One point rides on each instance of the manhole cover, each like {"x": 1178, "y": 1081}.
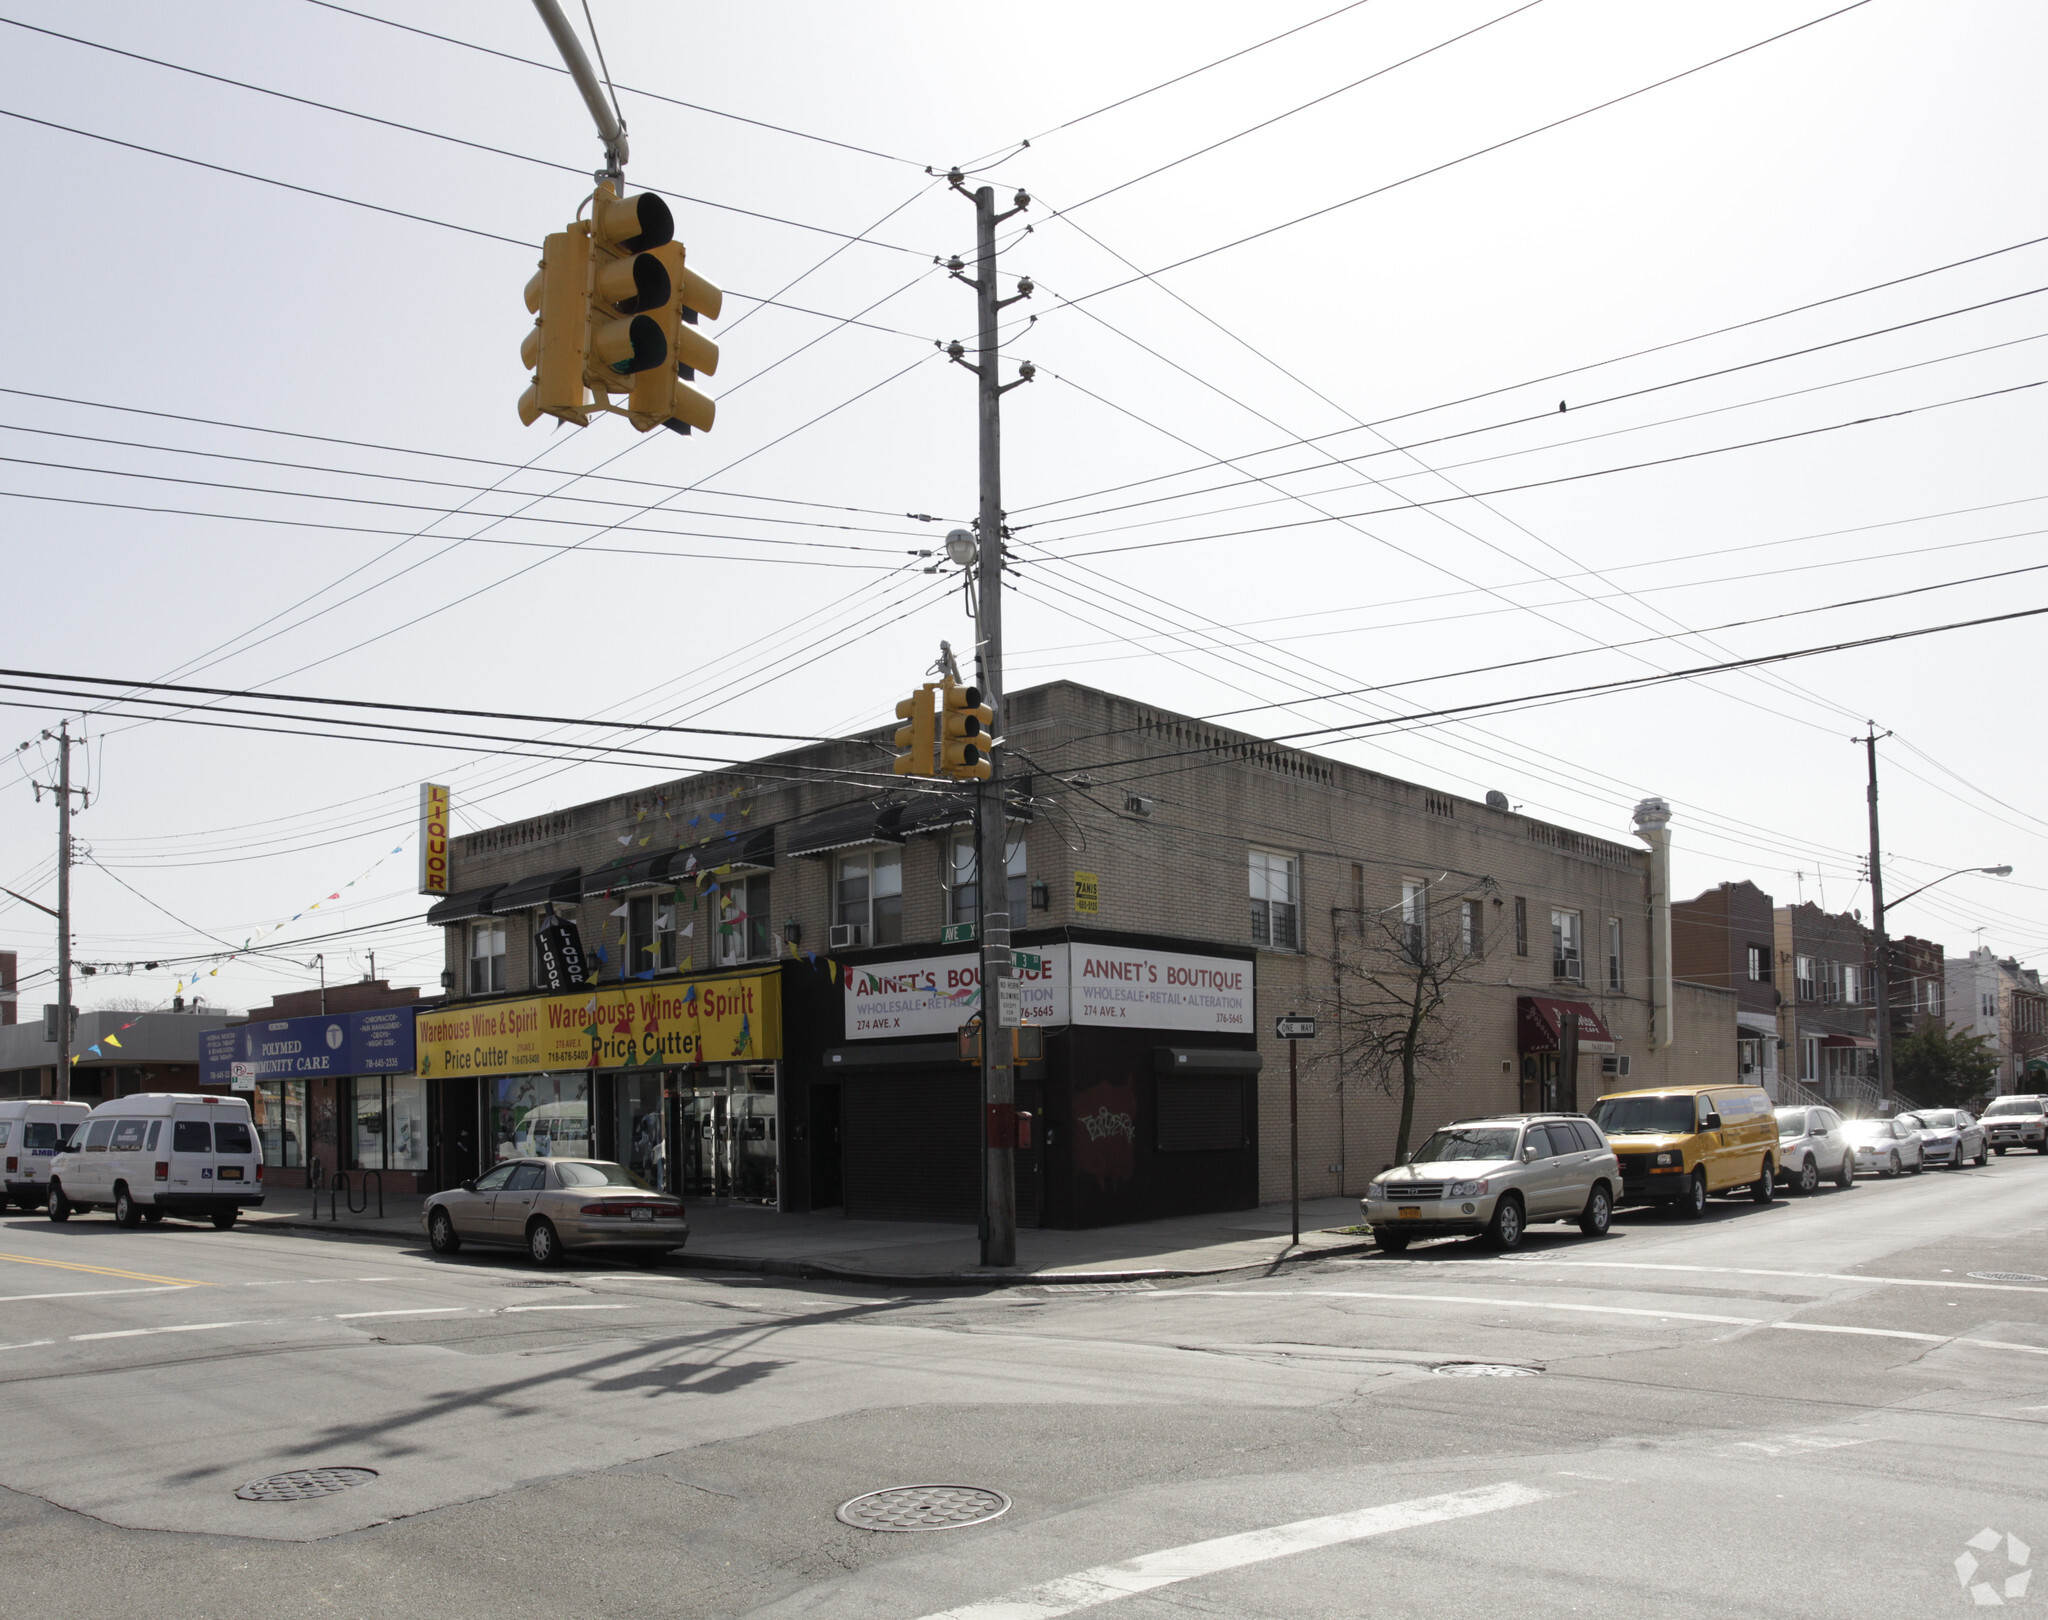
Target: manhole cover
{"x": 303, "y": 1484}
{"x": 1482, "y": 1369}
{"x": 923, "y": 1507}
{"x": 2007, "y": 1276}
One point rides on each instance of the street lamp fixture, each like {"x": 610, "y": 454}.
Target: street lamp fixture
{"x": 1988, "y": 871}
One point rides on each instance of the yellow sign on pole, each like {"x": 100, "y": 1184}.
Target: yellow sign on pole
{"x": 433, "y": 838}
{"x": 1087, "y": 894}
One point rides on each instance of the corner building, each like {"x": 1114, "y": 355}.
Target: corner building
{"x": 1179, "y": 885}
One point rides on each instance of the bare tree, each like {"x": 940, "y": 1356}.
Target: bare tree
{"x": 1388, "y": 1002}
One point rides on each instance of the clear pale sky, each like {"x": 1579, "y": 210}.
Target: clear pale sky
{"x": 1894, "y": 138}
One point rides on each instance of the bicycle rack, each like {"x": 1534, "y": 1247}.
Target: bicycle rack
{"x": 343, "y": 1187}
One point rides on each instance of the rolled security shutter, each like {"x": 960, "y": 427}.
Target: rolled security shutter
{"x": 1201, "y": 1113}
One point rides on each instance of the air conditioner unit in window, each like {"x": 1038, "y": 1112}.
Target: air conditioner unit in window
{"x": 1615, "y": 1066}
{"x": 847, "y": 936}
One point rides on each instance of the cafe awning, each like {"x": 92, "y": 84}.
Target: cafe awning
{"x": 848, "y": 827}
{"x": 463, "y": 907}
{"x": 1859, "y": 1043}
{"x": 543, "y": 889}
{"x": 1539, "y": 1025}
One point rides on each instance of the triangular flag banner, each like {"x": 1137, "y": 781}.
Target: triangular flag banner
{"x": 626, "y": 839}
{"x": 111, "y": 1040}
{"x": 621, "y": 910}
{"x": 688, "y": 930}
{"x": 833, "y": 968}
{"x": 96, "y": 1052}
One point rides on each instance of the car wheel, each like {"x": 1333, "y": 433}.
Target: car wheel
{"x": 1764, "y": 1190}
{"x": 2042, "y": 1145}
{"x": 1920, "y": 1164}
{"x": 1807, "y": 1182}
{"x": 1999, "y": 1151}
{"x": 125, "y": 1212}
{"x": 59, "y": 1205}
{"x": 1845, "y": 1172}
{"x": 1983, "y": 1157}
{"x": 1504, "y": 1231}
{"x": 1892, "y": 1167}
{"x": 442, "y": 1237}
{"x": 223, "y": 1219}
{"x": 1692, "y": 1203}
{"x": 543, "y": 1242}
{"x": 1390, "y": 1242}
{"x": 154, "y": 1217}
{"x": 1955, "y": 1159}
{"x": 1598, "y": 1214}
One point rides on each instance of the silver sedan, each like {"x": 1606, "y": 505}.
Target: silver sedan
{"x": 1949, "y": 1136}
{"x": 549, "y": 1206}
{"x": 1884, "y": 1147}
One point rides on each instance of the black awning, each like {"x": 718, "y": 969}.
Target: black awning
{"x": 935, "y": 812}
{"x": 543, "y": 889}
{"x": 464, "y": 906}
{"x": 753, "y": 850}
{"x": 630, "y": 872}
{"x": 847, "y": 828}
{"x": 1206, "y": 1060}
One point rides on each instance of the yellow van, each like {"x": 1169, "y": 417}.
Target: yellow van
{"x": 1677, "y": 1144}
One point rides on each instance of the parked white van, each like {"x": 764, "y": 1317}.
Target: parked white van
{"x": 33, "y": 1131}
{"x": 161, "y": 1153}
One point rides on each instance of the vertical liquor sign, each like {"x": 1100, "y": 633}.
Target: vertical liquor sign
{"x": 433, "y": 838}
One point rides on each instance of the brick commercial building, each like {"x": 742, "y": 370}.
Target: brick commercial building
{"x": 1826, "y": 1019}
{"x": 1726, "y": 937}
{"x": 783, "y": 959}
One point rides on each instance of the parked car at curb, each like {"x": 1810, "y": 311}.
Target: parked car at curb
{"x": 2017, "y": 1122}
{"x": 158, "y": 1153}
{"x": 1949, "y": 1136}
{"x": 33, "y": 1131}
{"x": 1886, "y": 1147}
{"x": 1812, "y": 1144}
{"x": 549, "y": 1206}
{"x": 1492, "y": 1178}
{"x": 1678, "y": 1144}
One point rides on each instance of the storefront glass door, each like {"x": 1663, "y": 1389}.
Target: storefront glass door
{"x": 642, "y": 1144}
{"x": 730, "y": 1135}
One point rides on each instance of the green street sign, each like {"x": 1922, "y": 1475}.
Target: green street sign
{"x": 956, "y": 934}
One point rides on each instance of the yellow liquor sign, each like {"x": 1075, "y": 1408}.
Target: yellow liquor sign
{"x": 710, "y": 1020}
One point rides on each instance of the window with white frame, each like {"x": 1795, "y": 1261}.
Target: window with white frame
{"x": 486, "y": 957}
{"x": 1803, "y": 975}
{"x": 1414, "y": 917}
{"x": 1831, "y": 983}
{"x": 963, "y": 870}
{"x": 741, "y": 931}
{"x": 1852, "y": 984}
{"x": 1809, "y": 1058}
{"x": 1567, "y": 946}
{"x": 1759, "y": 964}
{"x": 1521, "y": 925}
{"x": 643, "y": 949}
{"x": 1276, "y": 901}
{"x": 867, "y": 895}
{"x": 1614, "y": 953}
{"x": 1472, "y": 927}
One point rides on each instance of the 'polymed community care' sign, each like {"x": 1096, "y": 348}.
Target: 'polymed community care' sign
{"x": 681, "y": 1021}
{"x": 1073, "y": 983}
{"x": 300, "y": 1048}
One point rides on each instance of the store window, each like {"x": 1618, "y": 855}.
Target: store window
{"x": 387, "y": 1123}
{"x": 1276, "y": 903}
{"x": 1567, "y": 950}
{"x": 280, "y": 1110}
{"x": 743, "y": 914}
{"x": 963, "y": 887}
{"x": 539, "y": 1116}
{"x": 486, "y": 957}
{"x": 867, "y": 896}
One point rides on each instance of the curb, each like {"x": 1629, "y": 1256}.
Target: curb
{"x": 819, "y": 1271}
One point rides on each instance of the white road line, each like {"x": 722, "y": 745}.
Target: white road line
{"x": 509, "y": 1309}
{"x": 182, "y": 1327}
{"x": 1722, "y": 1271}
{"x": 96, "y": 1293}
{"x": 1147, "y": 1573}
{"x": 1922, "y": 1338}
{"x": 423, "y": 1310}
{"x": 28, "y": 1344}
{"x": 1458, "y": 1299}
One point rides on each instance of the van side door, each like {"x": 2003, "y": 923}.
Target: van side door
{"x": 88, "y": 1181}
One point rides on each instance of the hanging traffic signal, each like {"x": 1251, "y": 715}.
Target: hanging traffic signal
{"x": 629, "y": 286}
{"x": 964, "y": 739}
{"x": 558, "y": 297}
{"x": 918, "y": 739}
{"x": 661, "y": 395}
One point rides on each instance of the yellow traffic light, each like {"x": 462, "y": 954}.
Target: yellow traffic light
{"x": 629, "y": 286}
{"x": 661, "y": 397}
{"x": 558, "y": 298}
{"x": 917, "y": 740}
{"x": 964, "y": 739}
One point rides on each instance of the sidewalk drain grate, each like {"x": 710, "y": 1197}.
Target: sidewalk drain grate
{"x": 1482, "y": 1369}
{"x": 1097, "y": 1288}
{"x": 302, "y": 1485}
{"x": 2008, "y": 1276}
{"x": 923, "y": 1507}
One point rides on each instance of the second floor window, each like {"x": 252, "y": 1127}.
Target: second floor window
{"x": 1759, "y": 964}
{"x": 1414, "y": 916}
{"x": 1987, "y": 1003}
{"x": 1852, "y": 984}
{"x": 486, "y": 958}
{"x": 1567, "y": 952}
{"x": 1276, "y": 906}
{"x": 1471, "y": 927}
{"x": 963, "y": 884}
{"x": 867, "y": 895}
{"x": 1614, "y": 953}
{"x": 1803, "y": 974}
{"x": 1521, "y": 926}
{"x": 741, "y": 934}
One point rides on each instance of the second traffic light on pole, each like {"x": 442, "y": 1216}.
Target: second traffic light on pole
{"x": 953, "y": 742}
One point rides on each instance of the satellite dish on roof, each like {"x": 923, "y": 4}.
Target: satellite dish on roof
{"x": 1495, "y": 799}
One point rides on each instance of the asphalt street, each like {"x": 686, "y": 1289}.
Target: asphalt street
{"x": 1816, "y": 1408}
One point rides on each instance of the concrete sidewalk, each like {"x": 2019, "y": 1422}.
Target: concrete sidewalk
{"x": 747, "y": 1238}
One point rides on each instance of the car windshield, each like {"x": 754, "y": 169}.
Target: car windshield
{"x": 577, "y": 1173}
{"x": 1939, "y": 1119}
{"x": 1462, "y": 1142}
{"x": 1791, "y": 1121}
{"x": 2014, "y": 1105}
{"x": 1868, "y": 1130}
{"x": 1644, "y": 1116}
